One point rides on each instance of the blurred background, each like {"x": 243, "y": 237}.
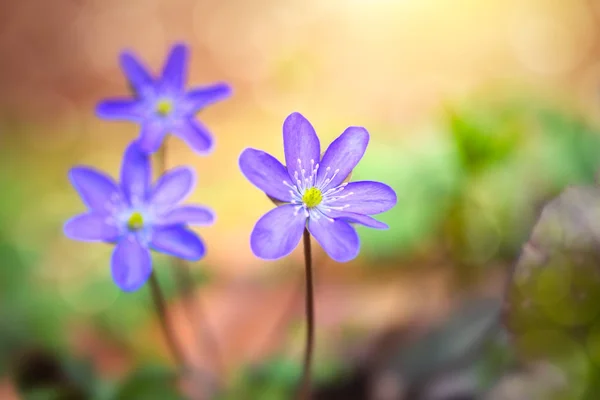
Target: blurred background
{"x": 480, "y": 113}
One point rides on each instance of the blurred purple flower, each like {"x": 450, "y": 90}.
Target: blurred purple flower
{"x": 138, "y": 216}
{"x": 162, "y": 106}
{"x": 315, "y": 192}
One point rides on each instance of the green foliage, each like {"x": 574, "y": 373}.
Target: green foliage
{"x": 278, "y": 378}
{"x": 43, "y": 394}
{"x": 569, "y": 148}
{"x": 553, "y": 308}
{"x": 477, "y": 178}
{"x": 27, "y": 315}
{"x": 425, "y": 177}
{"x": 149, "y": 382}
{"x": 485, "y": 136}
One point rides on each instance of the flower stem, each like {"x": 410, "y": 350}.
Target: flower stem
{"x": 305, "y": 388}
{"x": 159, "y": 304}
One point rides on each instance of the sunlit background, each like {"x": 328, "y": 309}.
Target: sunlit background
{"x": 479, "y": 113}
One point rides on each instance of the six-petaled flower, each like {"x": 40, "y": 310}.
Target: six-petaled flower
{"x": 137, "y": 216}
{"x": 314, "y": 192}
{"x": 163, "y": 106}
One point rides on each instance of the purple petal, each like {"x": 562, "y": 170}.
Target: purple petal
{"x": 97, "y": 190}
{"x": 196, "y": 135}
{"x": 342, "y": 155}
{"x": 91, "y": 227}
{"x": 365, "y": 197}
{"x": 174, "y": 71}
{"x": 137, "y": 76}
{"x": 266, "y": 173}
{"x": 188, "y": 215}
{"x": 131, "y": 264}
{"x": 179, "y": 242}
{"x": 357, "y": 219}
{"x": 337, "y": 238}
{"x": 135, "y": 174}
{"x": 119, "y": 109}
{"x": 278, "y": 232}
{"x": 300, "y": 142}
{"x": 201, "y": 97}
{"x": 151, "y": 137}
{"x": 172, "y": 187}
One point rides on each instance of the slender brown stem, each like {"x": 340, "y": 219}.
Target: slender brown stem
{"x": 305, "y": 388}
{"x": 160, "y": 305}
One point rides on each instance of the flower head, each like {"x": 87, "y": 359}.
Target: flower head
{"x": 163, "y": 105}
{"x": 314, "y": 192}
{"x": 137, "y": 216}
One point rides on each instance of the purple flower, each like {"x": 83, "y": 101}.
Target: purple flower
{"x": 162, "y": 105}
{"x": 315, "y": 193}
{"x": 137, "y": 216}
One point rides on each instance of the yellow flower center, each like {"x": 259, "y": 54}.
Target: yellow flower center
{"x": 135, "y": 222}
{"x": 164, "y": 107}
{"x": 312, "y": 197}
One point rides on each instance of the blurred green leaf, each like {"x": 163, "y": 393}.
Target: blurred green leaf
{"x": 43, "y": 394}
{"x": 569, "y": 147}
{"x": 278, "y": 378}
{"x": 149, "y": 382}
{"x": 483, "y": 136}
{"x": 425, "y": 177}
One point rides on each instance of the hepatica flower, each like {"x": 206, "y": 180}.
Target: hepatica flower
{"x": 137, "y": 216}
{"x": 163, "y": 105}
{"x": 314, "y": 192}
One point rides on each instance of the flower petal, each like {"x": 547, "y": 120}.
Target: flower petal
{"x": 91, "y": 227}
{"x": 338, "y": 239}
{"x": 196, "y": 135}
{"x": 300, "y": 142}
{"x": 119, "y": 109}
{"x": 189, "y": 215}
{"x": 355, "y": 218}
{"x": 179, "y": 242}
{"x": 137, "y": 76}
{"x": 342, "y": 155}
{"x": 98, "y": 191}
{"x": 201, "y": 97}
{"x": 278, "y": 232}
{"x": 131, "y": 264}
{"x": 136, "y": 173}
{"x": 172, "y": 187}
{"x": 266, "y": 173}
{"x": 365, "y": 197}
{"x": 151, "y": 136}
{"x": 174, "y": 72}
